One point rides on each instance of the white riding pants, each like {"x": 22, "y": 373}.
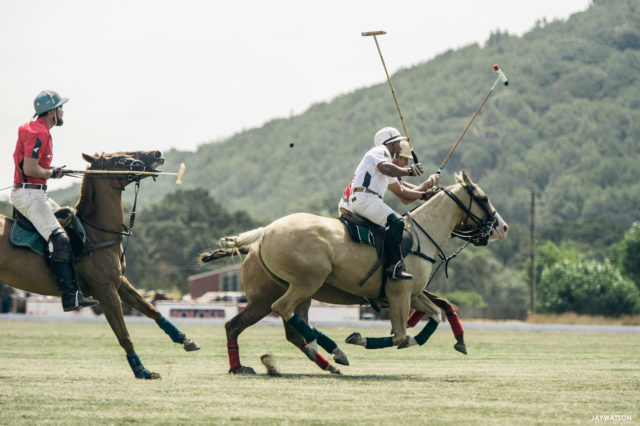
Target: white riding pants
{"x": 371, "y": 207}
{"x": 36, "y": 206}
{"x": 343, "y": 204}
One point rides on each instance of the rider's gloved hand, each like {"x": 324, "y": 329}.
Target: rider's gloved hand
{"x": 57, "y": 172}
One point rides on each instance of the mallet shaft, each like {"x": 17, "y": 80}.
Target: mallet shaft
{"x": 453, "y": 148}
{"x": 118, "y": 172}
{"x": 501, "y": 77}
{"x": 393, "y": 92}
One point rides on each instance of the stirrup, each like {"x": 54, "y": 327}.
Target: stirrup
{"x": 397, "y": 272}
{"x": 79, "y": 302}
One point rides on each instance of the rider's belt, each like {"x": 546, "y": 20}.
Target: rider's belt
{"x": 30, "y": 186}
{"x": 367, "y": 190}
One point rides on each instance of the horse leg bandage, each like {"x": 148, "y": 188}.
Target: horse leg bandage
{"x": 426, "y": 332}
{"x": 378, "y": 342}
{"x": 136, "y": 365}
{"x": 233, "y": 351}
{"x": 328, "y": 344}
{"x": 176, "y": 335}
{"x": 415, "y": 318}
{"x": 303, "y": 328}
{"x": 454, "y": 322}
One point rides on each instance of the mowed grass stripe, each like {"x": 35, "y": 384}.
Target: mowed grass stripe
{"x": 65, "y": 373}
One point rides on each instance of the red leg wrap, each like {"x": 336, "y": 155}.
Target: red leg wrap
{"x": 454, "y": 321}
{"x": 415, "y": 318}
{"x": 233, "y": 352}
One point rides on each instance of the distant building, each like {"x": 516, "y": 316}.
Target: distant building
{"x": 225, "y": 279}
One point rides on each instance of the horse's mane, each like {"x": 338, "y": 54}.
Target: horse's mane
{"x": 86, "y": 194}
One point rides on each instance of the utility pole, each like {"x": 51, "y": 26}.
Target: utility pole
{"x": 532, "y": 270}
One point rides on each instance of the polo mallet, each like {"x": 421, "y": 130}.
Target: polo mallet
{"x": 501, "y": 77}
{"x": 179, "y": 174}
{"x": 374, "y": 34}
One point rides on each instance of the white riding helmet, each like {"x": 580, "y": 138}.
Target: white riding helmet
{"x": 405, "y": 150}
{"x": 387, "y": 135}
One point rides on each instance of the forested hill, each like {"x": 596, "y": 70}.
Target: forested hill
{"x": 567, "y": 126}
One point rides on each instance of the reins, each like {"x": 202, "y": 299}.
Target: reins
{"x": 128, "y": 230}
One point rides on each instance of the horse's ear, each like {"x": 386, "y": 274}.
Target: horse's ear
{"x": 458, "y": 177}
{"x": 466, "y": 178}
{"x": 90, "y": 158}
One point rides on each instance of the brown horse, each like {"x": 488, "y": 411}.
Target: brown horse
{"x": 100, "y": 274}
{"x": 314, "y": 257}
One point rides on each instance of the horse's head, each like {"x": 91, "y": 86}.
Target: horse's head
{"x": 481, "y": 222}
{"x": 132, "y": 161}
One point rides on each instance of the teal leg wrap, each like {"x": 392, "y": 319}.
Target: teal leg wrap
{"x": 379, "y": 342}
{"x": 427, "y": 331}
{"x": 138, "y": 369}
{"x": 307, "y": 332}
{"x": 328, "y": 344}
{"x": 176, "y": 335}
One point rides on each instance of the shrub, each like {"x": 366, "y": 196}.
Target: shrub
{"x": 587, "y": 287}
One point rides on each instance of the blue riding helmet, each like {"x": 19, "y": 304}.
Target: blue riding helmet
{"x": 48, "y": 100}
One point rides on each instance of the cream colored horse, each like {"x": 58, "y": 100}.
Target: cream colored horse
{"x": 316, "y": 258}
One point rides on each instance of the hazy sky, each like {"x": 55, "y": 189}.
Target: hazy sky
{"x": 143, "y": 74}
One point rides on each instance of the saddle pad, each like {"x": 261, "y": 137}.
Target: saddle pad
{"x": 361, "y": 234}
{"x": 374, "y": 235}
{"x": 21, "y": 237}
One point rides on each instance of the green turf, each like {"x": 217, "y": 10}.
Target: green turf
{"x": 67, "y": 373}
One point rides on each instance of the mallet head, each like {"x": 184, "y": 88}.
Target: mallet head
{"x": 372, "y": 33}
{"x": 181, "y": 171}
{"x": 503, "y": 78}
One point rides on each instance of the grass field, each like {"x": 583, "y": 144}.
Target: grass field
{"x": 66, "y": 373}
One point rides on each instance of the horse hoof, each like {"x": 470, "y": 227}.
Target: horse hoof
{"x": 270, "y": 364}
{"x": 243, "y": 370}
{"x": 354, "y": 339}
{"x": 408, "y": 342}
{"x": 189, "y": 345}
{"x": 151, "y": 376}
{"x": 334, "y": 370}
{"x": 340, "y": 357}
{"x": 460, "y": 347}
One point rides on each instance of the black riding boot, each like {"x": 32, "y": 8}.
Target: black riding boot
{"x": 396, "y": 226}
{"x": 72, "y": 298}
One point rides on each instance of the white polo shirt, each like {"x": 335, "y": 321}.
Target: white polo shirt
{"x": 367, "y": 173}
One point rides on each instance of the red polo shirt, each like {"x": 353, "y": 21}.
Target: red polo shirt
{"x": 34, "y": 140}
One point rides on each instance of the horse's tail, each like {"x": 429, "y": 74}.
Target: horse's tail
{"x": 242, "y": 240}
{"x": 234, "y": 244}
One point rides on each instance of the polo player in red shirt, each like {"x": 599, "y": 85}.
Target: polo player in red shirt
{"x": 32, "y": 158}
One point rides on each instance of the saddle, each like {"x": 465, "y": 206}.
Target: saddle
{"x": 24, "y": 234}
{"x": 364, "y": 231}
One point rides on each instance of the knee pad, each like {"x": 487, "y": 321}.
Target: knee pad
{"x": 59, "y": 246}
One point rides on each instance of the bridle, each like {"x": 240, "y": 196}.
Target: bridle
{"x": 130, "y": 164}
{"x": 479, "y": 234}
